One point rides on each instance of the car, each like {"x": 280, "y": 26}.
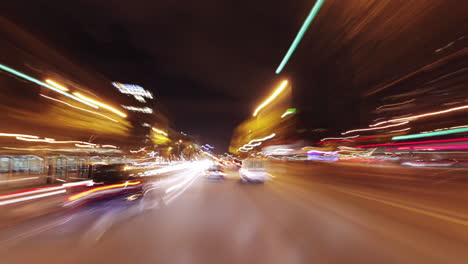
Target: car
{"x": 215, "y": 172}
{"x": 110, "y": 181}
{"x": 253, "y": 171}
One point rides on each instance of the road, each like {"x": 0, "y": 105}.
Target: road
{"x": 307, "y": 213}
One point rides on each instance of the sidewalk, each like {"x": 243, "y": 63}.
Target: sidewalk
{"x": 21, "y": 204}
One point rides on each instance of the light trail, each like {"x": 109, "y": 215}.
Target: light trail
{"x": 56, "y": 85}
{"x": 251, "y": 144}
{"x": 400, "y": 130}
{"x": 313, "y": 13}
{"x": 290, "y": 111}
{"x": 413, "y": 143}
{"x": 409, "y": 101}
{"x": 82, "y": 109}
{"x": 432, "y": 134}
{"x": 338, "y": 138}
{"x": 374, "y": 128}
{"x": 346, "y": 140}
{"x": 105, "y": 106}
{"x": 159, "y": 131}
{"x": 36, "y": 81}
{"x": 411, "y": 118}
{"x": 17, "y": 135}
{"x": 27, "y": 198}
{"x": 102, "y": 188}
{"x": 271, "y": 97}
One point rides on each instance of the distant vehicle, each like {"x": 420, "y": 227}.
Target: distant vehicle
{"x": 215, "y": 172}
{"x": 253, "y": 170}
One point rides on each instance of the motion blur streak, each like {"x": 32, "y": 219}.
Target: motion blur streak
{"x": 82, "y": 109}
{"x": 272, "y": 97}
{"x": 402, "y": 103}
{"x": 31, "y": 191}
{"x": 313, "y": 13}
{"x": 17, "y": 135}
{"x": 338, "y": 138}
{"x": 46, "y": 189}
{"x": 432, "y": 147}
{"x": 97, "y": 189}
{"x": 432, "y": 134}
{"x": 413, "y": 143}
{"x": 262, "y": 139}
{"x": 56, "y": 85}
{"x": 346, "y": 140}
{"x": 105, "y": 106}
{"x": 422, "y": 115}
{"x": 173, "y": 168}
{"x": 159, "y": 131}
{"x": 31, "y": 197}
{"x": 251, "y": 144}
{"x": 31, "y": 79}
{"x": 374, "y": 128}
{"x": 53, "y": 141}
{"x": 399, "y": 130}
{"x": 109, "y": 146}
{"x": 22, "y": 179}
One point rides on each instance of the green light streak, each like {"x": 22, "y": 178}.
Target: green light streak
{"x": 313, "y": 13}
{"x": 290, "y": 111}
{"x": 31, "y": 79}
{"x": 432, "y": 134}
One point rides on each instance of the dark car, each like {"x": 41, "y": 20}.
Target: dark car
{"x": 110, "y": 181}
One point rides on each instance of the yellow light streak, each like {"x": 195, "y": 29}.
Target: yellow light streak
{"x": 272, "y": 97}
{"x": 108, "y": 107}
{"x": 86, "y": 110}
{"x": 56, "y": 85}
{"x": 53, "y": 141}
{"x": 159, "y": 131}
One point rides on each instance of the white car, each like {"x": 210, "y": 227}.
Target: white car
{"x": 215, "y": 172}
{"x": 253, "y": 170}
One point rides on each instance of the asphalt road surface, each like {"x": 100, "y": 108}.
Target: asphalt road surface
{"x": 307, "y": 213}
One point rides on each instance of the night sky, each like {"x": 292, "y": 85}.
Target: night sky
{"x": 210, "y": 62}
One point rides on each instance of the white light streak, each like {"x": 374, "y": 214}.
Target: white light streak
{"x": 374, "y": 128}
{"x": 31, "y": 197}
{"x": 145, "y": 110}
{"x": 22, "y": 179}
{"x": 411, "y": 118}
{"x": 338, "y": 138}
